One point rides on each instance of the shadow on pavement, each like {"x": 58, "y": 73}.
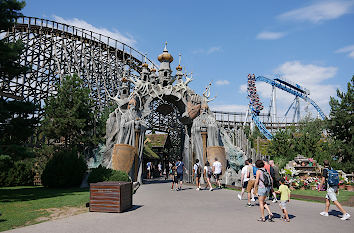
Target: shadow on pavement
{"x": 335, "y": 213}
{"x": 156, "y": 181}
{"x": 134, "y": 207}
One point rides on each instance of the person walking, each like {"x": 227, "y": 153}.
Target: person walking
{"x": 217, "y": 166}
{"x": 250, "y": 186}
{"x": 208, "y": 171}
{"x": 329, "y": 182}
{"x": 159, "y": 167}
{"x": 197, "y": 173}
{"x": 148, "y": 167}
{"x": 170, "y": 171}
{"x": 270, "y": 170}
{"x": 245, "y": 176}
{"x": 284, "y": 192}
{"x": 264, "y": 182}
{"x": 275, "y": 176}
{"x": 180, "y": 168}
{"x": 174, "y": 177}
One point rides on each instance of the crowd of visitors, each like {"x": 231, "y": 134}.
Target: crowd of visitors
{"x": 260, "y": 180}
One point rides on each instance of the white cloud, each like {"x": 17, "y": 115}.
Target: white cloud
{"x": 115, "y": 34}
{"x": 222, "y": 82}
{"x": 348, "y": 49}
{"x": 243, "y": 88}
{"x": 208, "y": 51}
{"x": 309, "y": 76}
{"x": 270, "y": 35}
{"x": 229, "y": 108}
{"x": 320, "y": 11}
{"x": 213, "y": 50}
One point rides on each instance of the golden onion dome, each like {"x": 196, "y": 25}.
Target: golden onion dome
{"x": 179, "y": 68}
{"x": 153, "y": 69}
{"x": 145, "y": 65}
{"x": 165, "y": 56}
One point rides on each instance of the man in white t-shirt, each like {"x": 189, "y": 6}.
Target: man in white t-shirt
{"x": 217, "y": 171}
{"x": 244, "y": 179}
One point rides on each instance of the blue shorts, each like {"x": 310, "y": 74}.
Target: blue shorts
{"x": 263, "y": 191}
{"x": 180, "y": 176}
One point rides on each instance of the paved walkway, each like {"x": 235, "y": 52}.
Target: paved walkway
{"x": 158, "y": 209}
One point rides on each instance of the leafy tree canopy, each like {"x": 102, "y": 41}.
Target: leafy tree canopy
{"x": 341, "y": 124}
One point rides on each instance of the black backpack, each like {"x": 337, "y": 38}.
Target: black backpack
{"x": 267, "y": 179}
{"x": 199, "y": 169}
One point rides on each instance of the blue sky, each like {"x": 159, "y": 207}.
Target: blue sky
{"x": 308, "y": 42}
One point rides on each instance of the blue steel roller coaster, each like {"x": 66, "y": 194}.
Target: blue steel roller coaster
{"x": 256, "y": 106}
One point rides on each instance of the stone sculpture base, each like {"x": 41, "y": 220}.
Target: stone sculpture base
{"x": 123, "y": 157}
{"x": 217, "y": 152}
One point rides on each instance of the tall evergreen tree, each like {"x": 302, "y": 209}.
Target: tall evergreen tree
{"x": 16, "y": 124}
{"x": 68, "y": 114}
{"x": 10, "y": 51}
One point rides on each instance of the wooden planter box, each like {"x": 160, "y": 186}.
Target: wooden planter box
{"x": 114, "y": 197}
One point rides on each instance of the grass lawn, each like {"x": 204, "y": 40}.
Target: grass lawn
{"x": 343, "y": 195}
{"x": 26, "y": 205}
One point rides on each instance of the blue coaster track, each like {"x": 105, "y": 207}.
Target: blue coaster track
{"x": 283, "y": 85}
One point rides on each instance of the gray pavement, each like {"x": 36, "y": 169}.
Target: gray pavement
{"x": 158, "y": 209}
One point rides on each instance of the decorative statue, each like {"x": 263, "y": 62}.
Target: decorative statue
{"x": 130, "y": 122}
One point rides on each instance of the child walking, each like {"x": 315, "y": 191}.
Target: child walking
{"x": 284, "y": 192}
{"x": 174, "y": 177}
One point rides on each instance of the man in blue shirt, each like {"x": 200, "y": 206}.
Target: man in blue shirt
{"x": 179, "y": 167}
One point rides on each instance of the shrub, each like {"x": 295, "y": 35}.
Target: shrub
{"x": 6, "y": 164}
{"x": 15, "y": 173}
{"x": 21, "y": 173}
{"x": 101, "y": 173}
{"x": 64, "y": 169}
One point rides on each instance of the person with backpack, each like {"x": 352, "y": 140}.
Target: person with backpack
{"x": 174, "y": 177}
{"x": 251, "y": 173}
{"x": 272, "y": 194}
{"x": 264, "y": 182}
{"x": 329, "y": 182}
{"x": 198, "y": 173}
{"x": 208, "y": 172}
{"x": 179, "y": 168}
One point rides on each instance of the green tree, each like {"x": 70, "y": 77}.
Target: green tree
{"x": 10, "y": 51}
{"x": 341, "y": 125}
{"x": 16, "y": 124}
{"x": 281, "y": 147}
{"x": 307, "y": 139}
{"x": 69, "y": 114}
